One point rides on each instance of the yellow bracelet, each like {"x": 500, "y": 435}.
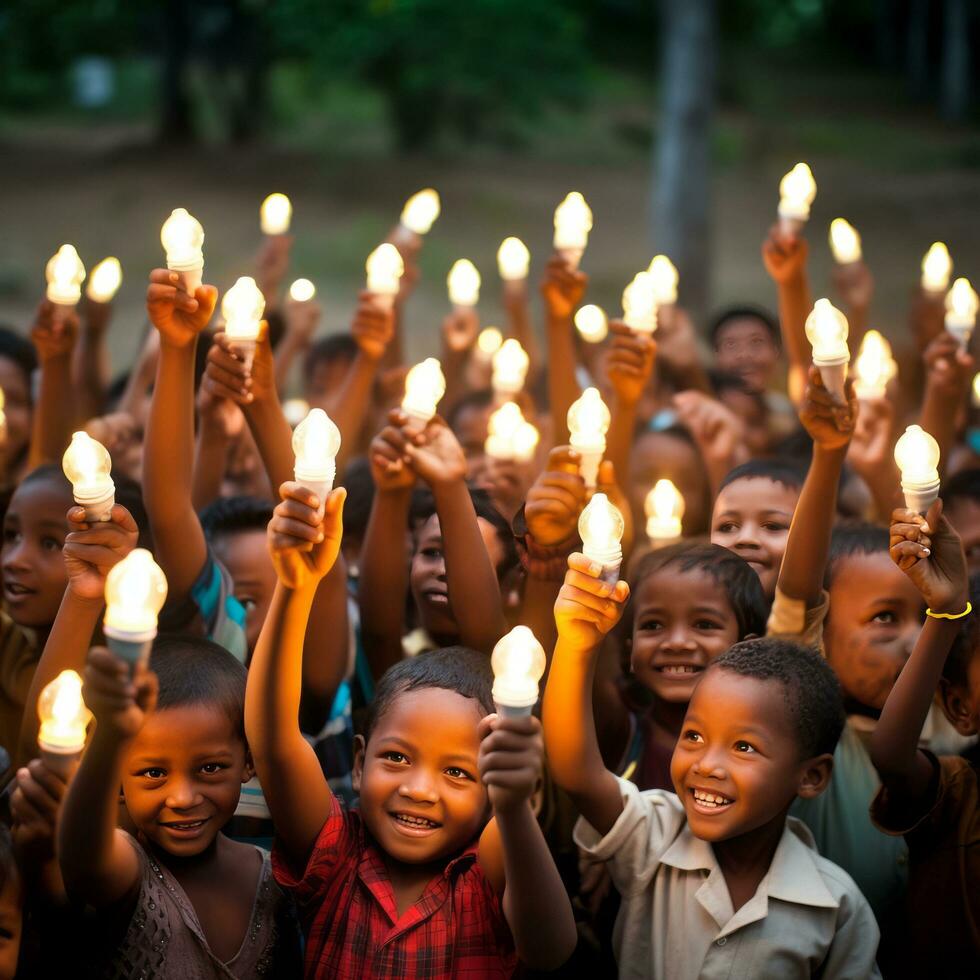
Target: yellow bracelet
{"x": 966, "y": 612}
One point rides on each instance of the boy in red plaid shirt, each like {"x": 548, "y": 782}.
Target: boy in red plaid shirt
{"x": 416, "y": 882}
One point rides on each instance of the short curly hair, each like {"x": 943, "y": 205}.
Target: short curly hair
{"x": 811, "y": 692}
{"x": 966, "y": 645}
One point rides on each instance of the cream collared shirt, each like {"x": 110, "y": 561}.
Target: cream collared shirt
{"x": 676, "y": 921}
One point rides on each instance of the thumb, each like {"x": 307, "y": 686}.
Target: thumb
{"x": 933, "y": 516}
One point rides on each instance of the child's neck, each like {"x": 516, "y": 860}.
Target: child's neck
{"x": 668, "y": 719}
{"x": 744, "y": 860}
{"x": 193, "y": 864}
{"x": 409, "y": 881}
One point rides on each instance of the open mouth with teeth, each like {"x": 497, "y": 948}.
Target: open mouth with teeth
{"x": 705, "y": 802}
{"x": 679, "y": 670}
{"x": 186, "y": 826}
{"x": 414, "y": 825}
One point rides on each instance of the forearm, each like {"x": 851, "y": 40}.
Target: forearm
{"x": 519, "y": 319}
{"x": 535, "y": 902}
{"x": 563, "y": 388}
{"x": 137, "y": 387}
{"x": 794, "y": 307}
{"x": 90, "y": 374}
{"x": 54, "y": 413}
{"x": 274, "y": 440}
{"x": 291, "y": 347}
{"x": 619, "y": 438}
{"x": 802, "y": 571}
{"x": 474, "y": 592}
{"x": 210, "y": 462}
{"x": 456, "y": 370}
{"x": 938, "y": 417}
{"x": 349, "y": 407}
{"x": 538, "y": 611}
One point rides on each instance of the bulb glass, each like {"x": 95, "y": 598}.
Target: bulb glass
{"x": 936, "y": 268}
{"x": 385, "y": 268}
{"x": 242, "y": 308}
{"x": 845, "y": 242}
{"x": 510, "y": 365}
{"x": 664, "y": 278}
{"x": 640, "y": 304}
{"x": 87, "y": 465}
{"x": 518, "y": 662}
{"x": 592, "y": 324}
{"x": 64, "y": 273}
{"x": 464, "y": 283}
{"x": 664, "y": 508}
{"x": 135, "y": 591}
{"x": 489, "y": 341}
{"x": 183, "y": 240}
{"x": 425, "y": 384}
{"x": 63, "y": 714}
{"x": 302, "y": 291}
{"x": 421, "y": 211}
{"x": 513, "y": 259}
{"x": 275, "y": 214}
{"x": 797, "y": 190}
{"x": 573, "y": 222}
{"x": 105, "y": 280}
{"x": 874, "y": 366}
{"x": 316, "y": 442}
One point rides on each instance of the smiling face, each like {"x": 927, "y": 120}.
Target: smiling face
{"x": 246, "y": 556}
{"x": 682, "y": 621}
{"x": 873, "y": 622}
{"x": 16, "y": 408}
{"x": 183, "y": 775}
{"x": 34, "y": 530}
{"x": 418, "y": 779}
{"x": 737, "y": 765}
{"x": 751, "y": 517}
{"x": 11, "y": 924}
{"x": 745, "y": 347}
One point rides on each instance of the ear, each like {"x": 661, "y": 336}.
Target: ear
{"x": 249, "y": 771}
{"x": 814, "y": 776}
{"x": 957, "y": 707}
{"x": 360, "y": 747}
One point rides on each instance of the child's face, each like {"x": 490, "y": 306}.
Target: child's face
{"x": 745, "y": 348}
{"x": 16, "y": 408}
{"x": 183, "y": 775}
{"x": 430, "y": 588}
{"x": 962, "y": 702}
{"x": 419, "y": 783}
{"x": 246, "y": 556}
{"x": 11, "y": 924}
{"x": 964, "y": 514}
{"x": 660, "y": 456}
{"x": 737, "y": 764}
{"x": 874, "y": 619}
{"x": 34, "y": 530}
{"x": 326, "y": 377}
{"x": 683, "y": 621}
{"x": 751, "y": 517}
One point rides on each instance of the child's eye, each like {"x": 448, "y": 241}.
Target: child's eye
{"x": 5, "y": 934}
{"x": 706, "y": 624}
{"x": 651, "y": 625}
{"x": 154, "y": 773}
{"x": 456, "y": 773}
{"x": 212, "y": 767}
{"x": 50, "y": 544}
{"x": 432, "y": 552}
{"x": 743, "y": 746}
{"x": 886, "y": 617}
{"x": 727, "y": 527}
{"x": 394, "y": 757}
{"x": 775, "y": 526}
{"x": 692, "y": 736}
{"x": 10, "y": 535}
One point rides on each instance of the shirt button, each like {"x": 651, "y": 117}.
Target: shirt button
{"x": 721, "y": 942}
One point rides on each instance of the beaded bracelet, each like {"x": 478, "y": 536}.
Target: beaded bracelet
{"x": 966, "y": 612}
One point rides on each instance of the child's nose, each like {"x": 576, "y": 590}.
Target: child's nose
{"x": 181, "y": 795}
{"x": 420, "y": 789}
{"x": 709, "y": 764}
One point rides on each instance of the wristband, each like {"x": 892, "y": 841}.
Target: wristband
{"x": 966, "y": 612}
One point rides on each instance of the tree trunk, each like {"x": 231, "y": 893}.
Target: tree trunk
{"x": 956, "y": 60}
{"x": 917, "y": 48}
{"x": 176, "y": 121}
{"x": 682, "y": 177}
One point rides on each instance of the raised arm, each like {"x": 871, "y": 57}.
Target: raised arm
{"x": 519, "y": 320}
{"x": 90, "y": 365}
{"x": 54, "y": 411}
{"x": 562, "y": 289}
{"x": 628, "y": 368}
{"x": 949, "y": 371}
{"x": 219, "y": 421}
{"x": 855, "y": 285}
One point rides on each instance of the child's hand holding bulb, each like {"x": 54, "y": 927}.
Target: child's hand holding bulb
{"x": 562, "y": 288}
{"x": 119, "y": 696}
{"x": 511, "y": 759}
{"x": 177, "y": 316}
{"x": 304, "y": 545}
{"x": 373, "y": 326}
{"x": 629, "y": 362}
{"x": 830, "y": 425}
{"x": 226, "y": 375}
{"x": 52, "y": 336}
{"x": 91, "y": 550}
{"x": 587, "y": 607}
{"x": 555, "y": 501}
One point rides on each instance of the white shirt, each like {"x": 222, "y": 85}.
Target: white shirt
{"x": 676, "y": 922}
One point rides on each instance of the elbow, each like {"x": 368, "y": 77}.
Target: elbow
{"x": 552, "y": 955}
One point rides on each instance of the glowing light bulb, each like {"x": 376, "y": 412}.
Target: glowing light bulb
{"x": 183, "y": 240}
{"x": 640, "y": 304}
{"x": 518, "y": 662}
{"x": 962, "y": 303}
{"x": 826, "y": 329}
{"x": 845, "y": 242}
{"x": 242, "y": 308}
{"x": 663, "y": 278}
{"x": 385, "y": 268}
{"x": 87, "y": 464}
{"x": 64, "y": 273}
{"x": 64, "y": 718}
{"x": 601, "y": 527}
{"x": 510, "y": 365}
{"x": 105, "y": 280}
{"x": 488, "y": 342}
{"x": 874, "y": 367}
{"x": 275, "y": 214}
{"x": 976, "y": 390}
{"x": 302, "y": 291}
{"x": 3, "y": 416}
{"x": 573, "y": 222}
{"x": 797, "y": 190}
{"x": 295, "y": 410}
{"x": 588, "y": 422}
{"x": 513, "y": 259}
{"x": 421, "y": 211}
{"x": 135, "y": 591}
{"x": 591, "y": 323}
{"x": 917, "y": 456}
{"x": 425, "y": 384}
{"x": 316, "y": 442}
{"x": 510, "y": 436}
{"x": 936, "y": 268}
{"x": 664, "y": 508}
{"x": 464, "y": 283}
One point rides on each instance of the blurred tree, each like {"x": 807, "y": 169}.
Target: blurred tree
{"x": 955, "y": 100}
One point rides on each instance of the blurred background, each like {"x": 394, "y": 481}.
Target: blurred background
{"x": 674, "y": 119}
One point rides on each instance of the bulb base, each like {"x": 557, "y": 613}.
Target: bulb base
{"x": 133, "y": 648}
{"x": 417, "y": 418}
{"x": 611, "y": 560}
{"x": 63, "y": 299}
{"x": 590, "y": 456}
{"x": 245, "y": 349}
{"x": 571, "y": 254}
{"x": 191, "y": 274}
{"x": 403, "y": 235}
{"x": 919, "y": 497}
{"x": 792, "y": 219}
{"x": 833, "y": 373}
{"x": 98, "y": 503}
{"x": 320, "y": 483}
{"x": 869, "y": 392}
{"x": 663, "y": 532}
{"x": 962, "y": 330}
{"x": 642, "y": 324}
{"x": 506, "y": 388}
{"x": 62, "y": 761}
{"x": 514, "y": 710}
{"x": 383, "y": 299}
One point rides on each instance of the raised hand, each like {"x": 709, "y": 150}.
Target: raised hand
{"x": 435, "y": 454}
{"x": 555, "y": 501}
{"x": 829, "y": 424}
{"x": 562, "y": 288}
{"x": 373, "y": 326}
{"x": 784, "y": 259}
{"x": 390, "y": 467}
{"x": 53, "y": 336}
{"x": 303, "y": 540}
{"x": 460, "y": 329}
{"x": 177, "y": 316}
{"x": 587, "y": 608}
{"x": 629, "y": 362}
{"x": 119, "y": 700}
{"x": 511, "y": 759}
{"x": 91, "y": 550}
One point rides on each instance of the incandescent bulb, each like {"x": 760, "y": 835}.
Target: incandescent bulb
{"x": 513, "y": 259}
{"x": 518, "y": 662}
{"x": 135, "y": 591}
{"x": 302, "y": 291}
{"x": 797, "y": 190}
{"x": 425, "y": 384}
{"x": 421, "y": 211}
{"x": 3, "y": 416}
{"x": 242, "y": 308}
{"x": 510, "y": 436}
{"x": 874, "y": 366}
{"x": 64, "y": 716}
{"x": 464, "y": 283}
{"x": 936, "y": 268}
{"x": 976, "y": 390}
{"x": 295, "y": 410}
{"x": 601, "y": 527}
{"x": 104, "y": 281}
{"x": 664, "y": 278}
{"x": 961, "y": 310}
{"x": 845, "y": 242}
{"x": 510, "y": 365}
{"x": 591, "y": 323}
{"x": 826, "y": 329}
{"x": 183, "y": 240}
{"x": 87, "y": 465}
{"x": 64, "y": 273}
{"x": 275, "y": 214}
{"x": 316, "y": 442}
{"x": 385, "y": 267}
{"x": 488, "y": 341}
{"x": 640, "y": 304}
{"x": 588, "y": 422}
{"x": 917, "y": 456}
{"x": 573, "y": 222}
{"x": 664, "y": 507}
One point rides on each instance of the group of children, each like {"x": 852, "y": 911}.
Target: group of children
{"x": 755, "y": 750}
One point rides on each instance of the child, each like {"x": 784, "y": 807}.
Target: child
{"x": 747, "y": 344}
{"x": 11, "y": 907}
{"x": 18, "y": 361}
{"x": 935, "y": 802}
{"x": 715, "y": 879}
{"x": 961, "y": 500}
{"x": 180, "y": 898}
{"x": 415, "y": 882}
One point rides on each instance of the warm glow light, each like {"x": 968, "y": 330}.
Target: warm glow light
{"x": 275, "y": 214}
{"x": 385, "y": 268}
{"x": 242, "y": 308}
{"x": 3, "y": 416}
{"x": 588, "y": 422}
{"x": 917, "y": 456}
{"x": 295, "y": 410}
{"x": 510, "y": 436}
{"x": 510, "y": 365}
{"x": 87, "y": 465}
{"x": 961, "y": 310}
{"x": 591, "y": 323}
{"x": 640, "y": 304}
{"x": 845, "y": 242}
{"x": 64, "y": 716}
{"x": 826, "y": 329}
{"x": 601, "y": 528}
{"x": 936, "y": 268}
{"x": 664, "y": 278}
{"x": 425, "y": 384}
{"x": 316, "y": 442}
{"x": 464, "y": 283}
{"x": 976, "y": 390}
{"x": 135, "y": 591}
{"x": 421, "y": 211}
{"x": 797, "y": 190}
{"x": 302, "y": 291}
{"x": 105, "y": 280}
{"x": 489, "y": 340}
{"x": 573, "y": 222}
{"x": 183, "y": 239}
{"x": 874, "y": 366}
{"x": 518, "y": 662}
{"x": 64, "y": 273}
{"x": 664, "y": 507}
{"x": 513, "y": 259}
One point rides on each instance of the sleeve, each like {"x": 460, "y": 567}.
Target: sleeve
{"x": 792, "y": 619}
{"x": 648, "y": 825}
{"x": 855, "y": 945}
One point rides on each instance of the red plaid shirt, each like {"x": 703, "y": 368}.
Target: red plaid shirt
{"x": 347, "y": 908}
